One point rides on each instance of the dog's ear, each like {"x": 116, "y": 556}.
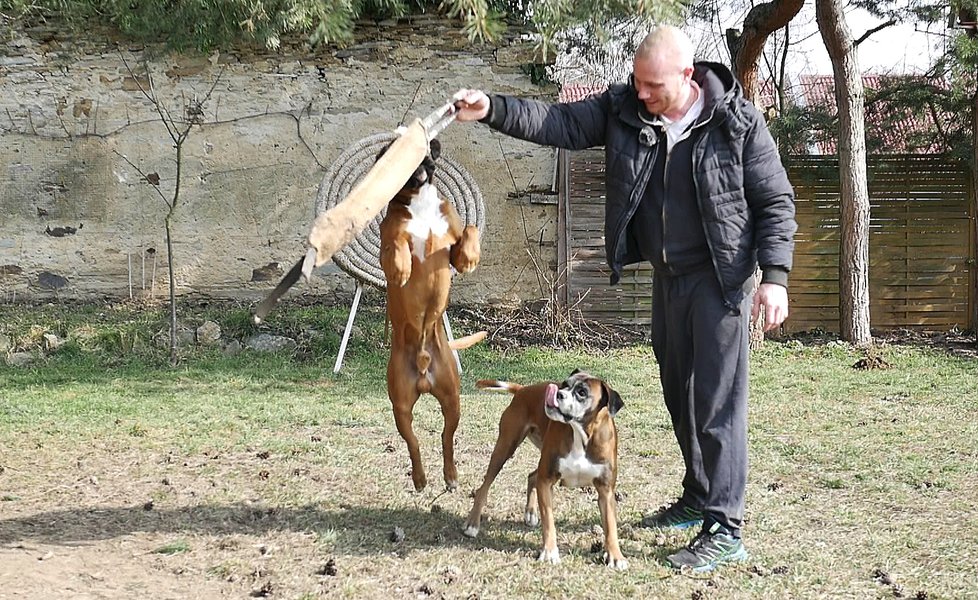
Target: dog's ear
{"x": 611, "y": 399}
{"x": 434, "y": 149}
{"x": 574, "y": 372}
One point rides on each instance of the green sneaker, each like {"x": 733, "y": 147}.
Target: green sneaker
{"x": 678, "y": 515}
{"x": 708, "y": 550}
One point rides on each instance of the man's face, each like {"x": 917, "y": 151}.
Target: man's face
{"x": 661, "y": 83}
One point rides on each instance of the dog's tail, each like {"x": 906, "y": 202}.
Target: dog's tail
{"x": 498, "y": 385}
{"x": 467, "y": 341}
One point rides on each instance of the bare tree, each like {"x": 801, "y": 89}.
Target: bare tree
{"x": 178, "y": 128}
{"x": 854, "y": 315}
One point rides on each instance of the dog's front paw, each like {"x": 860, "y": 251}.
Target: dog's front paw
{"x": 465, "y": 254}
{"x": 549, "y": 556}
{"x": 531, "y": 518}
{"x": 620, "y": 563}
{"x": 396, "y": 263}
{"x": 470, "y": 531}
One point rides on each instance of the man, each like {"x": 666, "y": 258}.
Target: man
{"x": 694, "y": 184}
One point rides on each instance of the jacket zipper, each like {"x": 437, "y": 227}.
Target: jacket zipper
{"x": 633, "y": 205}
{"x": 697, "y": 152}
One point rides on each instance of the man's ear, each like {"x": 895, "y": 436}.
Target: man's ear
{"x": 434, "y": 149}
{"x": 611, "y": 399}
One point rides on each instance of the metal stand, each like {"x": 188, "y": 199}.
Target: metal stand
{"x": 349, "y": 327}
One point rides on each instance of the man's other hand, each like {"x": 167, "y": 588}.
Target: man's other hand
{"x": 773, "y": 298}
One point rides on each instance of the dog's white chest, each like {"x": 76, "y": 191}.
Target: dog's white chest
{"x": 577, "y": 471}
{"x": 426, "y": 218}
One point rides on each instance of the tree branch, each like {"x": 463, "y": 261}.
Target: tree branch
{"x": 879, "y": 27}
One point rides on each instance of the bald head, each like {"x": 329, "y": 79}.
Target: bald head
{"x": 668, "y": 44}
{"x": 662, "y": 72}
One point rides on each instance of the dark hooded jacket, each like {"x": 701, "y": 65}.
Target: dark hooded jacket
{"x": 745, "y": 199}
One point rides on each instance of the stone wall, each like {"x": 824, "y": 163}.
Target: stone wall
{"x": 80, "y": 140}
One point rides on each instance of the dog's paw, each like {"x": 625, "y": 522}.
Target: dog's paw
{"x": 466, "y": 252}
{"x": 451, "y": 485}
{"x": 402, "y": 267}
{"x": 619, "y": 564}
{"x": 549, "y": 556}
{"x": 470, "y": 531}
{"x": 531, "y": 518}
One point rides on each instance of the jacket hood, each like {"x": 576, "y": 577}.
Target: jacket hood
{"x": 722, "y": 96}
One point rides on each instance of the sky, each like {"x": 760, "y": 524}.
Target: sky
{"x": 895, "y": 50}
{"x": 898, "y": 49}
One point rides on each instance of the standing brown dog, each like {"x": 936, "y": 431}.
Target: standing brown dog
{"x": 421, "y": 239}
{"x": 572, "y": 425}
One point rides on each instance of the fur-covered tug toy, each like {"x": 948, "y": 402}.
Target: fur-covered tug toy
{"x": 338, "y": 226}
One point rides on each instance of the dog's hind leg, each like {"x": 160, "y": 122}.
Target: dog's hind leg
{"x": 531, "y": 516}
{"x": 446, "y": 391}
{"x": 506, "y": 445}
{"x": 404, "y": 395}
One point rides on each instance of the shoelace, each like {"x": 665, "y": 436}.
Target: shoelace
{"x": 699, "y": 544}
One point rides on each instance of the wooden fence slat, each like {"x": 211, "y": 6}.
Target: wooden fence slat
{"x": 921, "y": 244}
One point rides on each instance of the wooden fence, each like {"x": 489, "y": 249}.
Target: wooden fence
{"x": 585, "y": 275}
{"x": 922, "y": 245}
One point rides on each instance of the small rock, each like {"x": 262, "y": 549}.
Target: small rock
{"x": 397, "y": 535}
{"x": 51, "y": 342}
{"x": 266, "y": 342}
{"x": 209, "y": 333}
{"x": 20, "y": 359}
{"x": 328, "y": 569}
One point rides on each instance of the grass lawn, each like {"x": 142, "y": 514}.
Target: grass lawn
{"x": 264, "y": 475}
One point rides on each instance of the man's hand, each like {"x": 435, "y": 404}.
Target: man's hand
{"x": 472, "y": 105}
{"x": 774, "y": 299}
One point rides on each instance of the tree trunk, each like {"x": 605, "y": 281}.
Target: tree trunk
{"x": 854, "y": 217}
{"x": 745, "y": 49}
{"x": 974, "y": 200}
{"x": 746, "y": 46}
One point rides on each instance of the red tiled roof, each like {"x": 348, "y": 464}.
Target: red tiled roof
{"x": 572, "y": 92}
{"x": 897, "y": 134}
{"x": 894, "y": 126}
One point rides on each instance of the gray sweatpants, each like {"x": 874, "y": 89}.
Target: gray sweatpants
{"x": 702, "y": 347}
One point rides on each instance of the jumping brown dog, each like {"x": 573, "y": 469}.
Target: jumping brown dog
{"x": 572, "y": 425}
{"x": 421, "y": 240}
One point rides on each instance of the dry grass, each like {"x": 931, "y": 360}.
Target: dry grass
{"x": 269, "y": 477}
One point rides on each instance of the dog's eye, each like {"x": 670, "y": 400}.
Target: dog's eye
{"x": 581, "y": 392}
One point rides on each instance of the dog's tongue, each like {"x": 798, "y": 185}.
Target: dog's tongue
{"x": 550, "y": 395}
